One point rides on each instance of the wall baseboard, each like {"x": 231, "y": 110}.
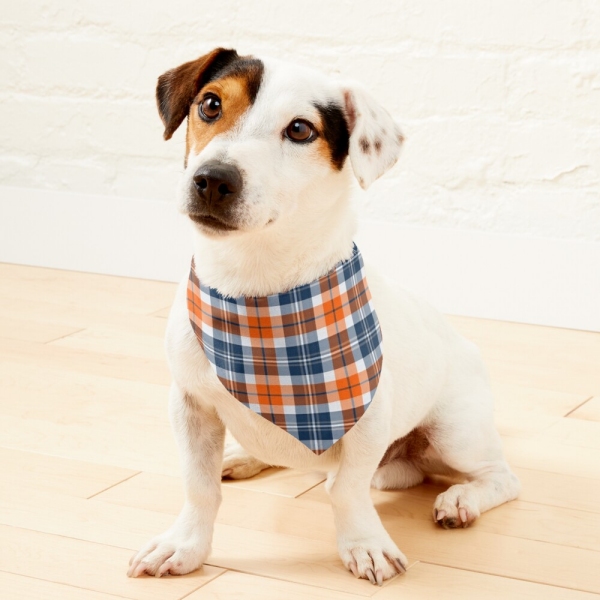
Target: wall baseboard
{"x": 531, "y": 280}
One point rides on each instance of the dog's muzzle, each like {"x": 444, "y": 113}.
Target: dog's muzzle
{"x": 216, "y": 187}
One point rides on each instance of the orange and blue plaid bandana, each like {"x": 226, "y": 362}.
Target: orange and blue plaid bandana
{"x": 308, "y": 360}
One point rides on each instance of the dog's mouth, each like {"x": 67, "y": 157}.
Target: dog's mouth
{"x": 211, "y": 222}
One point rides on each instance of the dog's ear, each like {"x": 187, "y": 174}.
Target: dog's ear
{"x": 177, "y": 88}
{"x": 375, "y": 138}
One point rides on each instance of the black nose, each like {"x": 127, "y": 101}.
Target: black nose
{"x": 218, "y": 183}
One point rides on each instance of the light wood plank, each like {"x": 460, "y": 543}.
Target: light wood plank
{"x": 81, "y": 361}
{"x": 590, "y": 411}
{"x": 72, "y": 288}
{"x": 521, "y": 411}
{"x": 122, "y": 443}
{"x": 49, "y": 473}
{"x": 519, "y": 399}
{"x": 311, "y": 561}
{"x": 18, "y": 587}
{"x": 564, "y": 526}
{"x": 573, "y": 432}
{"x": 282, "y": 482}
{"x": 111, "y": 340}
{"x": 163, "y": 493}
{"x": 250, "y": 587}
{"x": 522, "y": 337}
{"x": 149, "y": 491}
{"x": 78, "y": 397}
{"x": 496, "y": 554}
{"x": 520, "y": 519}
{"x": 280, "y": 556}
{"x": 409, "y": 519}
{"x": 240, "y": 507}
{"x": 33, "y": 331}
{"x": 399, "y": 510}
{"x": 77, "y": 316}
{"x": 555, "y": 489}
{"x": 95, "y": 418}
{"x": 479, "y": 548}
{"x": 551, "y": 456}
{"x": 539, "y": 357}
{"x": 541, "y": 522}
{"x": 426, "y": 581}
{"x": 90, "y": 566}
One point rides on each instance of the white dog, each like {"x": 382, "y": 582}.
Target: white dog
{"x": 266, "y": 188}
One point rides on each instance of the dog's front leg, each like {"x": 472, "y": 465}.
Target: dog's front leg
{"x": 184, "y": 547}
{"x": 364, "y": 545}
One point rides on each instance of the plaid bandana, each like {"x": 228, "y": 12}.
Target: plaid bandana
{"x": 308, "y": 360}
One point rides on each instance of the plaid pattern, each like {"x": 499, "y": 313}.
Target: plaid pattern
{"x": 308, "y": 360}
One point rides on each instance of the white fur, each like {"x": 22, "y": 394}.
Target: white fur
{"x": 295, "y": 224}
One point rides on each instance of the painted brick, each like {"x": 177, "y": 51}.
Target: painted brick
{"x": 498, "y": 99}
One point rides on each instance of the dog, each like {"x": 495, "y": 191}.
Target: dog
{"x": 271, "y": 150}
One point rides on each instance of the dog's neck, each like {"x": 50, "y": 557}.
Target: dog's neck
{"x": 295, "y": 251}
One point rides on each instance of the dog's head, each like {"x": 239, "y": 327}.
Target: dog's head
{"x": 265, "y": 138}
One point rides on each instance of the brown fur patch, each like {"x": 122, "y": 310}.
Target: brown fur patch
{"x": 236, "y": 99}
{"x": 411, "y": 447}
{"x": 377, "y": 145}
{"x": 334, "y": 137}
{"x": 365, "y": 145}
{"x": 350, "y": 110}
{"x": 177, "y": 88}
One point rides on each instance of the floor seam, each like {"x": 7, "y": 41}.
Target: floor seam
{"x": 62, "y": 337}
{"x": 312, "y": 487}
{"x": 77, "y": 587}
{"x": 207, "y": 583}
{"x": 578, "y": 406}
{"x": 544, "y": 583}
{"x": 113, "y": 485}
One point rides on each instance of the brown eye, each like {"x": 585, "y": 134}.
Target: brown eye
{"x": 210, "y": 108}
{"x": 300, "y": 131}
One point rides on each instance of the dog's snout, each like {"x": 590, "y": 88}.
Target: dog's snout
{"x": 216, "y": 182}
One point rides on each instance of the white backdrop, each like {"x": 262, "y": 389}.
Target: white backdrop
{"x": 499, "y": 100}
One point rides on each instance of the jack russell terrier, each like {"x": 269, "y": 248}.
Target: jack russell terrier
{"x": 278, "y": 333}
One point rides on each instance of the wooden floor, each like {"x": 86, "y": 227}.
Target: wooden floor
{"x": 89, "y": 470}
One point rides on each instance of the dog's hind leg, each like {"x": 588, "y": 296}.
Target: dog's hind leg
{"x": 400, "y": 466}
{"x": 468, "y": 442}
{"x": 398, "y": 474}
{"x": 238, "y": 464}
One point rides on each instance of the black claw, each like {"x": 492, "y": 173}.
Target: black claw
{"x": 401, "y": 568}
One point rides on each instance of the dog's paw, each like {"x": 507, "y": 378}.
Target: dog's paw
{"x": 456, "y": 507}
{"x": 170, "y": 554}
{"x": 372, "y": 559}
{"x": 238, "y": 464}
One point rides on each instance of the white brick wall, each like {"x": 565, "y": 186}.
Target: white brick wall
{"x": 500, "y": 99}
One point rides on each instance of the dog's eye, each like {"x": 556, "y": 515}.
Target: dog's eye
{"x": 299, "y": 130}
{"x": 210, "y": 108}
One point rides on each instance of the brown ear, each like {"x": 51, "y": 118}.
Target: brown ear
{"x": 177, "y": 88}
